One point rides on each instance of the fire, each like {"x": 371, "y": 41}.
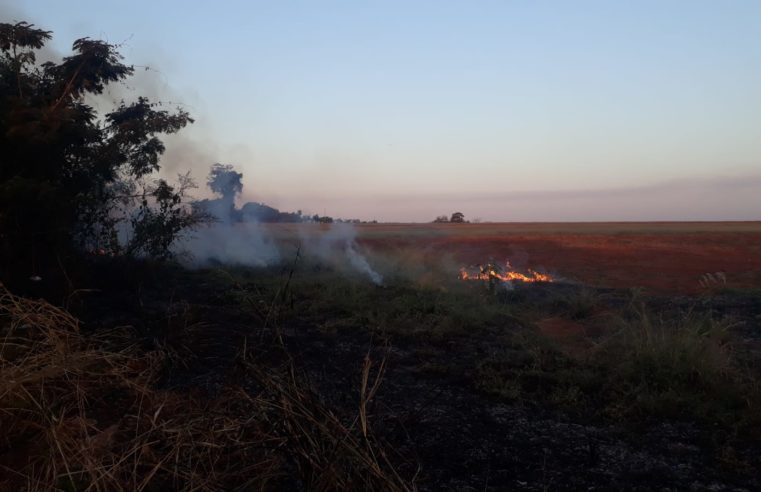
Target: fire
{"x": 492, "y": 272}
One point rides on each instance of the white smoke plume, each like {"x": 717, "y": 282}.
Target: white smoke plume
{"x": 232, "y": 244}
{"x": 235, "y": 238}
{"x": 358, "y": 261}
{"x": 339, "y": 243}
{"x": 227, "y": 240}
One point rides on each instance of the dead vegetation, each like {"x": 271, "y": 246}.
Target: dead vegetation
{"x": 84, "y": 412}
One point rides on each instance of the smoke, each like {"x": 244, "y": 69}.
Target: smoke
{"x": 235, "y": 239}
{"x": 227, "y": 240}
{"x": 360, "y": 263}
{"x": 244, "y": 244}
{"x": 339, "y": 243}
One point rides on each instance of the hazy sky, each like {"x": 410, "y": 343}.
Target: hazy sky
{"x": 508, "y": 110}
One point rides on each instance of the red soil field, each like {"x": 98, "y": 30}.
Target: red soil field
{"x": 660, "y": 257}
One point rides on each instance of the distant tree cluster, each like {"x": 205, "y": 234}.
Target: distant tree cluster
{"x": 457, "y": 218}
{"x": 228, "y": 183}
{"x": 260, "y": 212}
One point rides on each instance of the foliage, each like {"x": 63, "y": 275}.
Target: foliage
{"x": 224, "y": 180}
{"x": 457, "y": 217}
{"x": 260, "y": 212}
{"x": 161, "y": 219}
{"x": 322, "y": 219}
{"x": 69, "y": 174}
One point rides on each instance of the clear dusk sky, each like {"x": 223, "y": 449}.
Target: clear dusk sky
{"x": 404, "y": 110}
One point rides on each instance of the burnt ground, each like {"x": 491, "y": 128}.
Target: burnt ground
{"x": 465, "y": 440}
{"x": 440, "y": 428}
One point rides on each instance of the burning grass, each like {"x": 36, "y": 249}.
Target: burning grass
{"x": 492, "y": 272}
{"x": 83, "y": 412}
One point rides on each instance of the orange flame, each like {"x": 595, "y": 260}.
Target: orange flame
{"x": 491, "y": 272}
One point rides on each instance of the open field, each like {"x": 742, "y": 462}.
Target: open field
{"x": 305, "y": 375}
{"x": 663, "y": 257}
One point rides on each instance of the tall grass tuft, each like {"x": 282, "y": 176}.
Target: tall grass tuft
{"x": 679, "y": 368}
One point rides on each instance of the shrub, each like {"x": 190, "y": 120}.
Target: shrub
{"x": 69, "y": 175}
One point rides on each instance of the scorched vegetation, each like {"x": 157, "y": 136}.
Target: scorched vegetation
{"x": 347, "y": 358}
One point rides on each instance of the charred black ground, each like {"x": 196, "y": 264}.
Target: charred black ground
{"x": 480, "y": 390}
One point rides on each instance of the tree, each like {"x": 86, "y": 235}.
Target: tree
{"x": 161, "y": 218}
{"x": 70, "y": 176}
{"x": 259, "y": 212}
{"x": 225, "y": 180}
{"x": 457, "y": 217}
{"x": 441, "y": 219}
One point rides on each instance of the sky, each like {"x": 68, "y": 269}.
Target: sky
{"x": 406, "y": 110}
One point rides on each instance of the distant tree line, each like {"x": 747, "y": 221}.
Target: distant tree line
{"x": 227, "y": 184}
{"x": 261, "y": 212}
{"x": 457, "y": 218}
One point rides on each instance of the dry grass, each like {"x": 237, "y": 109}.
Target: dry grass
{"x": 82, "y": 412}
{"x": 675, "y": 368}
